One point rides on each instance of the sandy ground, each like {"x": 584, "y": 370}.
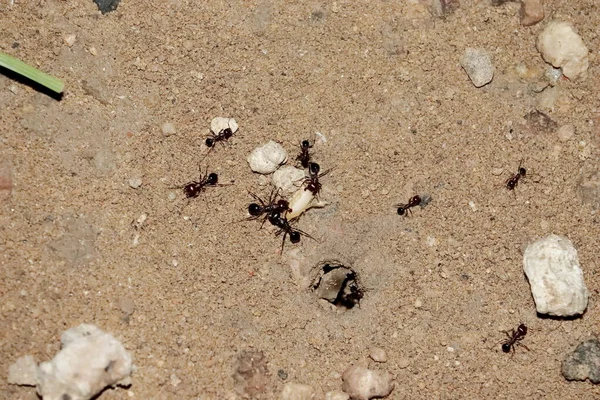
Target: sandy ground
{"x": 191, "y": 289}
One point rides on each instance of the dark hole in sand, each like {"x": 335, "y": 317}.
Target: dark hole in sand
{"x": 338, "y": 285}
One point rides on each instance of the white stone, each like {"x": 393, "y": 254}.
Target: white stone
{"x": 220, "y": 123}
{"x": 552, "y": 268}
{"x": 288, "y": 179}
{"x": 297, "y": 391}
{"x": 364, "y": 384}
{"x": 566, "y": 132}
{"x": 23, "y": 372}
{"x": 135, "y": 182}
{"x": 168, "y": 129}
{"x": 336, "y": 395}
{"x": 89, "y": 361}
{"x": 378, "y": 355}
{"x": 478, "y": 66}
{"x": 562, "y": 47}
{"x": 267, "y": 158}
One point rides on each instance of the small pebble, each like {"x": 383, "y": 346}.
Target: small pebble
{"x": 478, "y": 66}
{"x": 70, "y": 39}
{"x": 297, "y": 391}
{"x": 551, "y": 265}
{"x": 135, "y": 183}
{"x": 566, "y": 132}
{"x": 93, "y": 51}
{"x": 23, "y": 372}
{"x": 365, "y": 384}
{"x": 336, "y": 395}
{"x": 403, "y": 363}
{"x": 583, "y": 363}
{"x": 418, "y": 303}
{"x": 562, "y": 47}
{"x": 288, "y": 179}
{"x": 377, "y": 354}
{"x": 168, "y": 129}
{"x": 531, "y": 12}
{"x": 267, "y": 158}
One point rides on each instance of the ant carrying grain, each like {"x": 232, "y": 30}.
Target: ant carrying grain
{"x": 312, "y": 181}
{"x": 514, "y": 339}
{"x": 266, "y": 208}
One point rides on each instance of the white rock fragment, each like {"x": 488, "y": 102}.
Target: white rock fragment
{"x": 562, "y": 47}
{"x": 297, "y": 391}
{"x": 168, "y": 129}
{"x": 377, "y": 354}
{"x": 89, "y": 361}
{"x": 288, "y": 179}
{"x": 135, "y": 182}
{"x": 336, "y": 395}
{"x": 478, "y": 66}
{"x": 364, "y": 384}
{"x": 23, "y": 372}
{"x": 267, "y": 158}
{"x": 219, "y": 123}
{"x": 552, "y": 268}
{"x": 70, "y": 39}
{"x": 566, "y": 132}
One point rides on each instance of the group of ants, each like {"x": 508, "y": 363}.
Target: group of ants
{"x": 276, "y": 207}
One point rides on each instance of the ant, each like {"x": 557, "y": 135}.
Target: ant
{"x": 413, "y": 202}
{"x": 284, "y": 226}
{"x": 514, "y": 338}
{"x": 513, "y": 181}
{"x": 194, "y": 188}
{"x": 222, "y": 136}
{"x": 304, "y": 156}
{"x": 268, "y": 208}
{"x": 312, "y": 181}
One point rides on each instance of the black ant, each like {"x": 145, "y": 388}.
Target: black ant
{"x": 194, "y": 188}
{"x": 284, "y": 226}
{"x": 514, "y": 338}
{"x": 267, "y": 208}
{"x": 413, "y": 202}
{"x": 222, "y": 136}
{"x": 513, "y": 181}
{"x": 312, "y": 181}
{"x": 304, "y": 156}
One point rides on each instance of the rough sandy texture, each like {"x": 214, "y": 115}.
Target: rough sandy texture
{"x": 206, "y": 304}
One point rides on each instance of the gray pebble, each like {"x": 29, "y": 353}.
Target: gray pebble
{"x": 135, "y": 182}
{"x": 583, "y": 363}
{"x": 478, "y": 65}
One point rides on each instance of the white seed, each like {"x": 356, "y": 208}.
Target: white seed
{"x": 220, "y": 123}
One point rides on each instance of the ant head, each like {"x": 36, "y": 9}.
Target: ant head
{"x": 283, "y": 203}
{"x": 294, "y": 237}
{"x": 212, "y": 179}
{"x": 190, "y": 190}
{"x": 255, "y": 210}
{"x": 210, "y": 142}
{"x": 506, "y": 347}
{"x": 522, "y": 330}
{"x": 522, "y": 171}
{"x": 313, "y": 168}
{"x": 305, "y": 144}
{"x": 416, "y": 200}
{"x": 401, "y": 210}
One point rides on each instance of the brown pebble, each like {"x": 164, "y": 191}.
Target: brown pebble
{"x": 531, "y": 12}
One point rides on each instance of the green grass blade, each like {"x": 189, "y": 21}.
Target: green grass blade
{"x": 19, "y": 67}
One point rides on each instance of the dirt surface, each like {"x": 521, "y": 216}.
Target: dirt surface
{"x": 206, "y": 304}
